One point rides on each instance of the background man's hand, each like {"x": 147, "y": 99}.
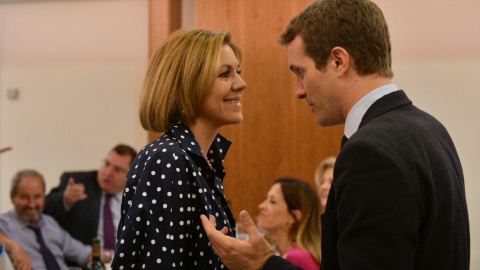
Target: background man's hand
{"x": 73, "y": 193}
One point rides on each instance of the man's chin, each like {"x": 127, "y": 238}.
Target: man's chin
{"x": 105, "y": 186}
{"x": 326, "y": 122}
{"x": 322, "y": 122}
{"x": 31, "y": 218}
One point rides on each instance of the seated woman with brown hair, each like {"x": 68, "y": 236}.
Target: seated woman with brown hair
{"x": 291, "y": 217}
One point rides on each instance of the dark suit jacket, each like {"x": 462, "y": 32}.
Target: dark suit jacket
{"x": 398, "y": 196}
{"x": 82, "y": 220}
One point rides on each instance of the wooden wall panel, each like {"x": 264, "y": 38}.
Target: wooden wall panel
{"x": 164, "y": 19}
{"x": 279, "y": 135}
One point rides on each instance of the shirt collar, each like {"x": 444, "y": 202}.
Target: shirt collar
{"x": 216, "y": 154}
{"x": 117, "y": 196}
{"x": 25, "y": 222}
{"x": 358, "y": 110}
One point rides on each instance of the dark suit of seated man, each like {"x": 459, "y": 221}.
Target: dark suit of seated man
{"x": 78, "y": 202}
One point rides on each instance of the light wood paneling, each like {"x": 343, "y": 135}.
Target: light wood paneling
{"x": 279, "y": 135}
{"x": 165, "y": 17}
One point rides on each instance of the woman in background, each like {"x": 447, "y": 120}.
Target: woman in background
{"x": 291, "y": 217}
{"x": 323, "y": 179}
{"x": 192, "y": 88}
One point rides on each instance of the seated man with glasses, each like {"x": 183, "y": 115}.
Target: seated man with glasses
{"x": 87, "y": 204}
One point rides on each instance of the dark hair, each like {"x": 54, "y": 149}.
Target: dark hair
{"x": 20, "y": 175}
{"x": 306, "y": 232}
{"x": 125, "y": 150}
{"x": 358, "y": 26}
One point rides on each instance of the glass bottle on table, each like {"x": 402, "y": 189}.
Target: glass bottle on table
{"x": 96, "y": 263}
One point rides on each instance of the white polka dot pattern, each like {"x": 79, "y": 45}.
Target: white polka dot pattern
{"x": 168, "y": 186}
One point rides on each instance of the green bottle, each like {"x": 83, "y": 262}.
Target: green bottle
{"x": 95, "y": 264}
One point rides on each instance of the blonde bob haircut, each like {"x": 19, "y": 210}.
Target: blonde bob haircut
{"x": 181, "y": 71}
{"x": 329, "y": 162}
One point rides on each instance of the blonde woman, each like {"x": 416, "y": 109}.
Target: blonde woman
{"x": 291, "y": 217}
{"x": 324, "y": 178}
{"x": 192, "y": 88}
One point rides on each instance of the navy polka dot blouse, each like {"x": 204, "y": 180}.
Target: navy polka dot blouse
{"x": 168, "y": 186}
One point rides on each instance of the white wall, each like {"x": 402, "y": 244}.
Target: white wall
{"x": 79, "y": 67}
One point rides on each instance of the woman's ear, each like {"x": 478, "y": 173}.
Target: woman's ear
{"x": 297, "y": 214}
{"x": 341, "y": 59}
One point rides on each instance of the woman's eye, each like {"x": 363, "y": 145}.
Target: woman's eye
{"x": 224, "y": 74}
{"x": 239, "y": 72}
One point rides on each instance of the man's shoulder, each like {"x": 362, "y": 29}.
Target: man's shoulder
{"x": 8, "y": 215}
{"x": 400, "y": 124}
{"x": 9, "y": 220}
{"x": 5, "y": 217}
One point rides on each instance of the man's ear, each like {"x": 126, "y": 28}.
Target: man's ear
{"x": 341, "y": 58}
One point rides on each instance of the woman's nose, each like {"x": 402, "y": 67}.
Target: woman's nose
{"x": 239, "y": 84}
{"x": 261, "y": 205}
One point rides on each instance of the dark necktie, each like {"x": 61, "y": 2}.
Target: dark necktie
{"x": 108, "y": 229}
{"x": 344, "y": 140}
{"x": 48, "y": 257}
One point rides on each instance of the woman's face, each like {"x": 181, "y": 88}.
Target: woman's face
{"x": 324, "y": 187}
{"x": 274, "y": 214}
{"x": 221, "y": 105}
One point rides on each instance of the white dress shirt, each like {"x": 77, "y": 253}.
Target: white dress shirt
{"x": 360, "y": 108}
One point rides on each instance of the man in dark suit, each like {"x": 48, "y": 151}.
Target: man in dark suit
{"x": 78, "y": 202}
{"x": 397, "y": 200}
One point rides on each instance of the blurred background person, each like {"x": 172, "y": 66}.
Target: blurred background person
{"x": 5, "y": 149}
{"x": 87, "y": 204}
{"x": 46, "y": 244}
{"x": 192, "y": 88}
{"x": 291, "y": 217}
{"x": 323, "y": 179}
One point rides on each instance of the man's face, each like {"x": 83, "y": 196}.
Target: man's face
{"x": 29, "y": 198}
{"x": 112, "y": 175}
{"x": 318, "y": 88}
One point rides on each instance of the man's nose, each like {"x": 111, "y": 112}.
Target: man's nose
{"x": 32, "y": 202}
{"x": 300, "y": 90}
